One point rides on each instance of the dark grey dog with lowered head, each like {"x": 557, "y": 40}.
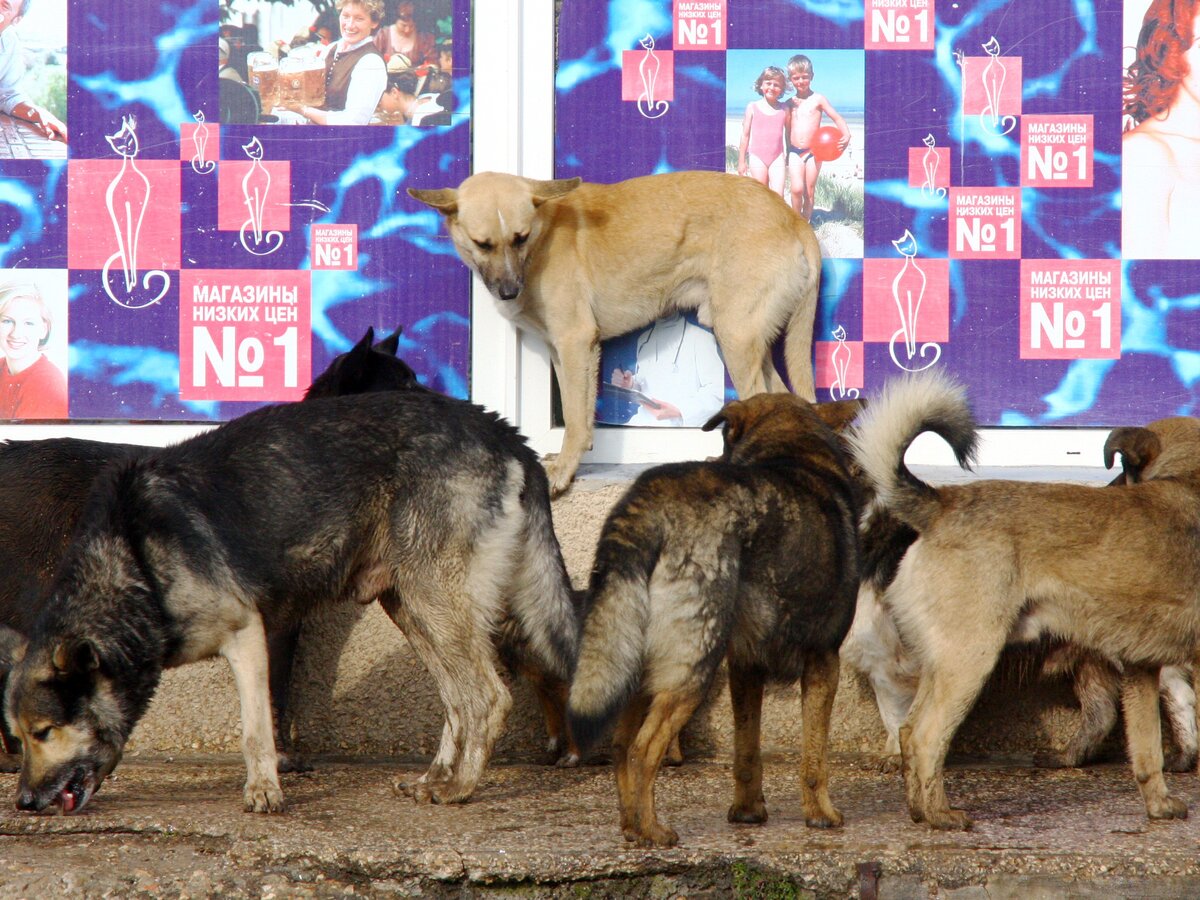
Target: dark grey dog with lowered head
{"x": 430, "y": 504}
{"x": 44, "y": 487}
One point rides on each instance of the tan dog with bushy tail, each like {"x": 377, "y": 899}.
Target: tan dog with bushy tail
{"x": 580, "y": 263}
{"x": 1114, "y": 571}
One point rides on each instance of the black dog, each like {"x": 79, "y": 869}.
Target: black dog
{"x": 44, "y": 485}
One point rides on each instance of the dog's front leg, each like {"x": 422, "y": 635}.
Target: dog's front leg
{"x": 246, "y": 651}
{"x": 1143, "y": 733}
{"x": 577, "y": 364}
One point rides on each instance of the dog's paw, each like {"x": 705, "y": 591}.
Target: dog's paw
{"x": 559, "y": 472}
{"x": 451, "y": 792}
{"x": 751, "y": 814}
{"x": 656, "y": 836}
{"x": 263, "y": 797}
{"x": 567, "y": 761}
{"x": 417, "y": 790}
{"x": 824, "y": 821}
{"x": 890, "y": 764}
{"x": 948, "y": 820}
{"x": 822, "y": 814}
{"x": 1168, "y": 807}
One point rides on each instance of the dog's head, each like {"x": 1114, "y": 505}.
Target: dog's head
{"x": 70, "y": 724}
{"x": 781, "y": 425}
{"x": 493, "y": 220}
{"x": 364, "y": 368}
{"x": 1165, "y": 448}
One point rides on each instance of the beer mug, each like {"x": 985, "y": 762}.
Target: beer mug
{"x": 314, "y": 72}
{"x": 291, "y": 81}
{"x": 264, "y": 77}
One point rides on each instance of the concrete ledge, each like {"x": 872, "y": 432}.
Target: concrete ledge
{"x": 358, "y": 689}
{"x": 175, "y": 829}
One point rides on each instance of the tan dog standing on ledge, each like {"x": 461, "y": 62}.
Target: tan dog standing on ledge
{"x": 580, "y": 263}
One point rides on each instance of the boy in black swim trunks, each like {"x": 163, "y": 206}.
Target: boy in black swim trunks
{"x": 807, "y": 108}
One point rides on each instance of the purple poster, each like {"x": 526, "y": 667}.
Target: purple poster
{"x": 202, "y": 203}
{"x": 1010, "y": 200}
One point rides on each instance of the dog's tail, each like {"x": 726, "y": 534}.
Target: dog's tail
{"x": 543, "y": 604}
{"x": 905, "y": 408}
{"x": 798, "y": 336}
{"x": 613, "y": 643}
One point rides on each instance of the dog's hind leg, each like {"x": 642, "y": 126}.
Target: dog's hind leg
{"x": 461, "y": 661}
{"x": 746, "y": 354}
{"x": 894, "y": 698}
{"x": 1179, "y": 698}
{"x": 745, "y": 695}
{"x": 551, "y": 694}
{"x": 946, "y": 692}
{"x": 798, "y": 342}
{"x": 1097, "y": 685}
{"x": 446, "y": 758}
{"x": 874, "y": 648}
{"x": 668, "y": 713}
{"x": 623, "y": 737}
{"x": 281, "y": 654}
{"x": 1143, "y": 733}
{"x": 819, "y": 686}
{"x": 246, "y": 651}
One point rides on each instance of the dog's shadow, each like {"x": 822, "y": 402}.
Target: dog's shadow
{"x": 358, "y": 688}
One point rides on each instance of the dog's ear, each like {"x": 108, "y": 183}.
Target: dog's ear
{"x": 549, "y": 190}
{"x": 732, "y": 416}
{"x": 837, "y": 414}
{"x": 1138, "y": 448}
{"x": 444, "y": 200}
{"x": 365, "y": 342}
{"x": 76, "y": 656}
{"x": 391, "y": 344}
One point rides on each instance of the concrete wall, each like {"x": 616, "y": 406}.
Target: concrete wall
{"x": 358, "y": 689}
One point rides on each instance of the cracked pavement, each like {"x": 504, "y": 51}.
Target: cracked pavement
{"x": 166, "y": 827}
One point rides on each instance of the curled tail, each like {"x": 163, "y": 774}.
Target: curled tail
{"x": 543, "y": 604}
{"x": 612, "y": 646}
{"x": 798, "y": 335}
{"x": 905, "y": 408}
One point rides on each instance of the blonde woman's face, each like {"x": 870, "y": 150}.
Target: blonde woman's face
{"x": 356, "y": 23}
{"x": 22, "y": 329}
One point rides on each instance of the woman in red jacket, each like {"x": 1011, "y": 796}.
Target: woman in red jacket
{"x": 31, "y": 387}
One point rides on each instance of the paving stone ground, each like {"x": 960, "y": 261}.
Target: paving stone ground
{"x": 173, "y": 827}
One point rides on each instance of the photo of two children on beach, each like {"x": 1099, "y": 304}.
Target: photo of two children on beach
{"x": 795, "y": 122}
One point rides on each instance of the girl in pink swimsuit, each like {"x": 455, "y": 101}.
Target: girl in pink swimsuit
{"x": 760, "y": 153}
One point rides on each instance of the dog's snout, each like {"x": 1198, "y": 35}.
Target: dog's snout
{"x": 508, "y": 289}
{"x": 26, "y": 801}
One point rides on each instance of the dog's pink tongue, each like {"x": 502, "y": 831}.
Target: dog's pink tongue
{"x": 68, "y": 802}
